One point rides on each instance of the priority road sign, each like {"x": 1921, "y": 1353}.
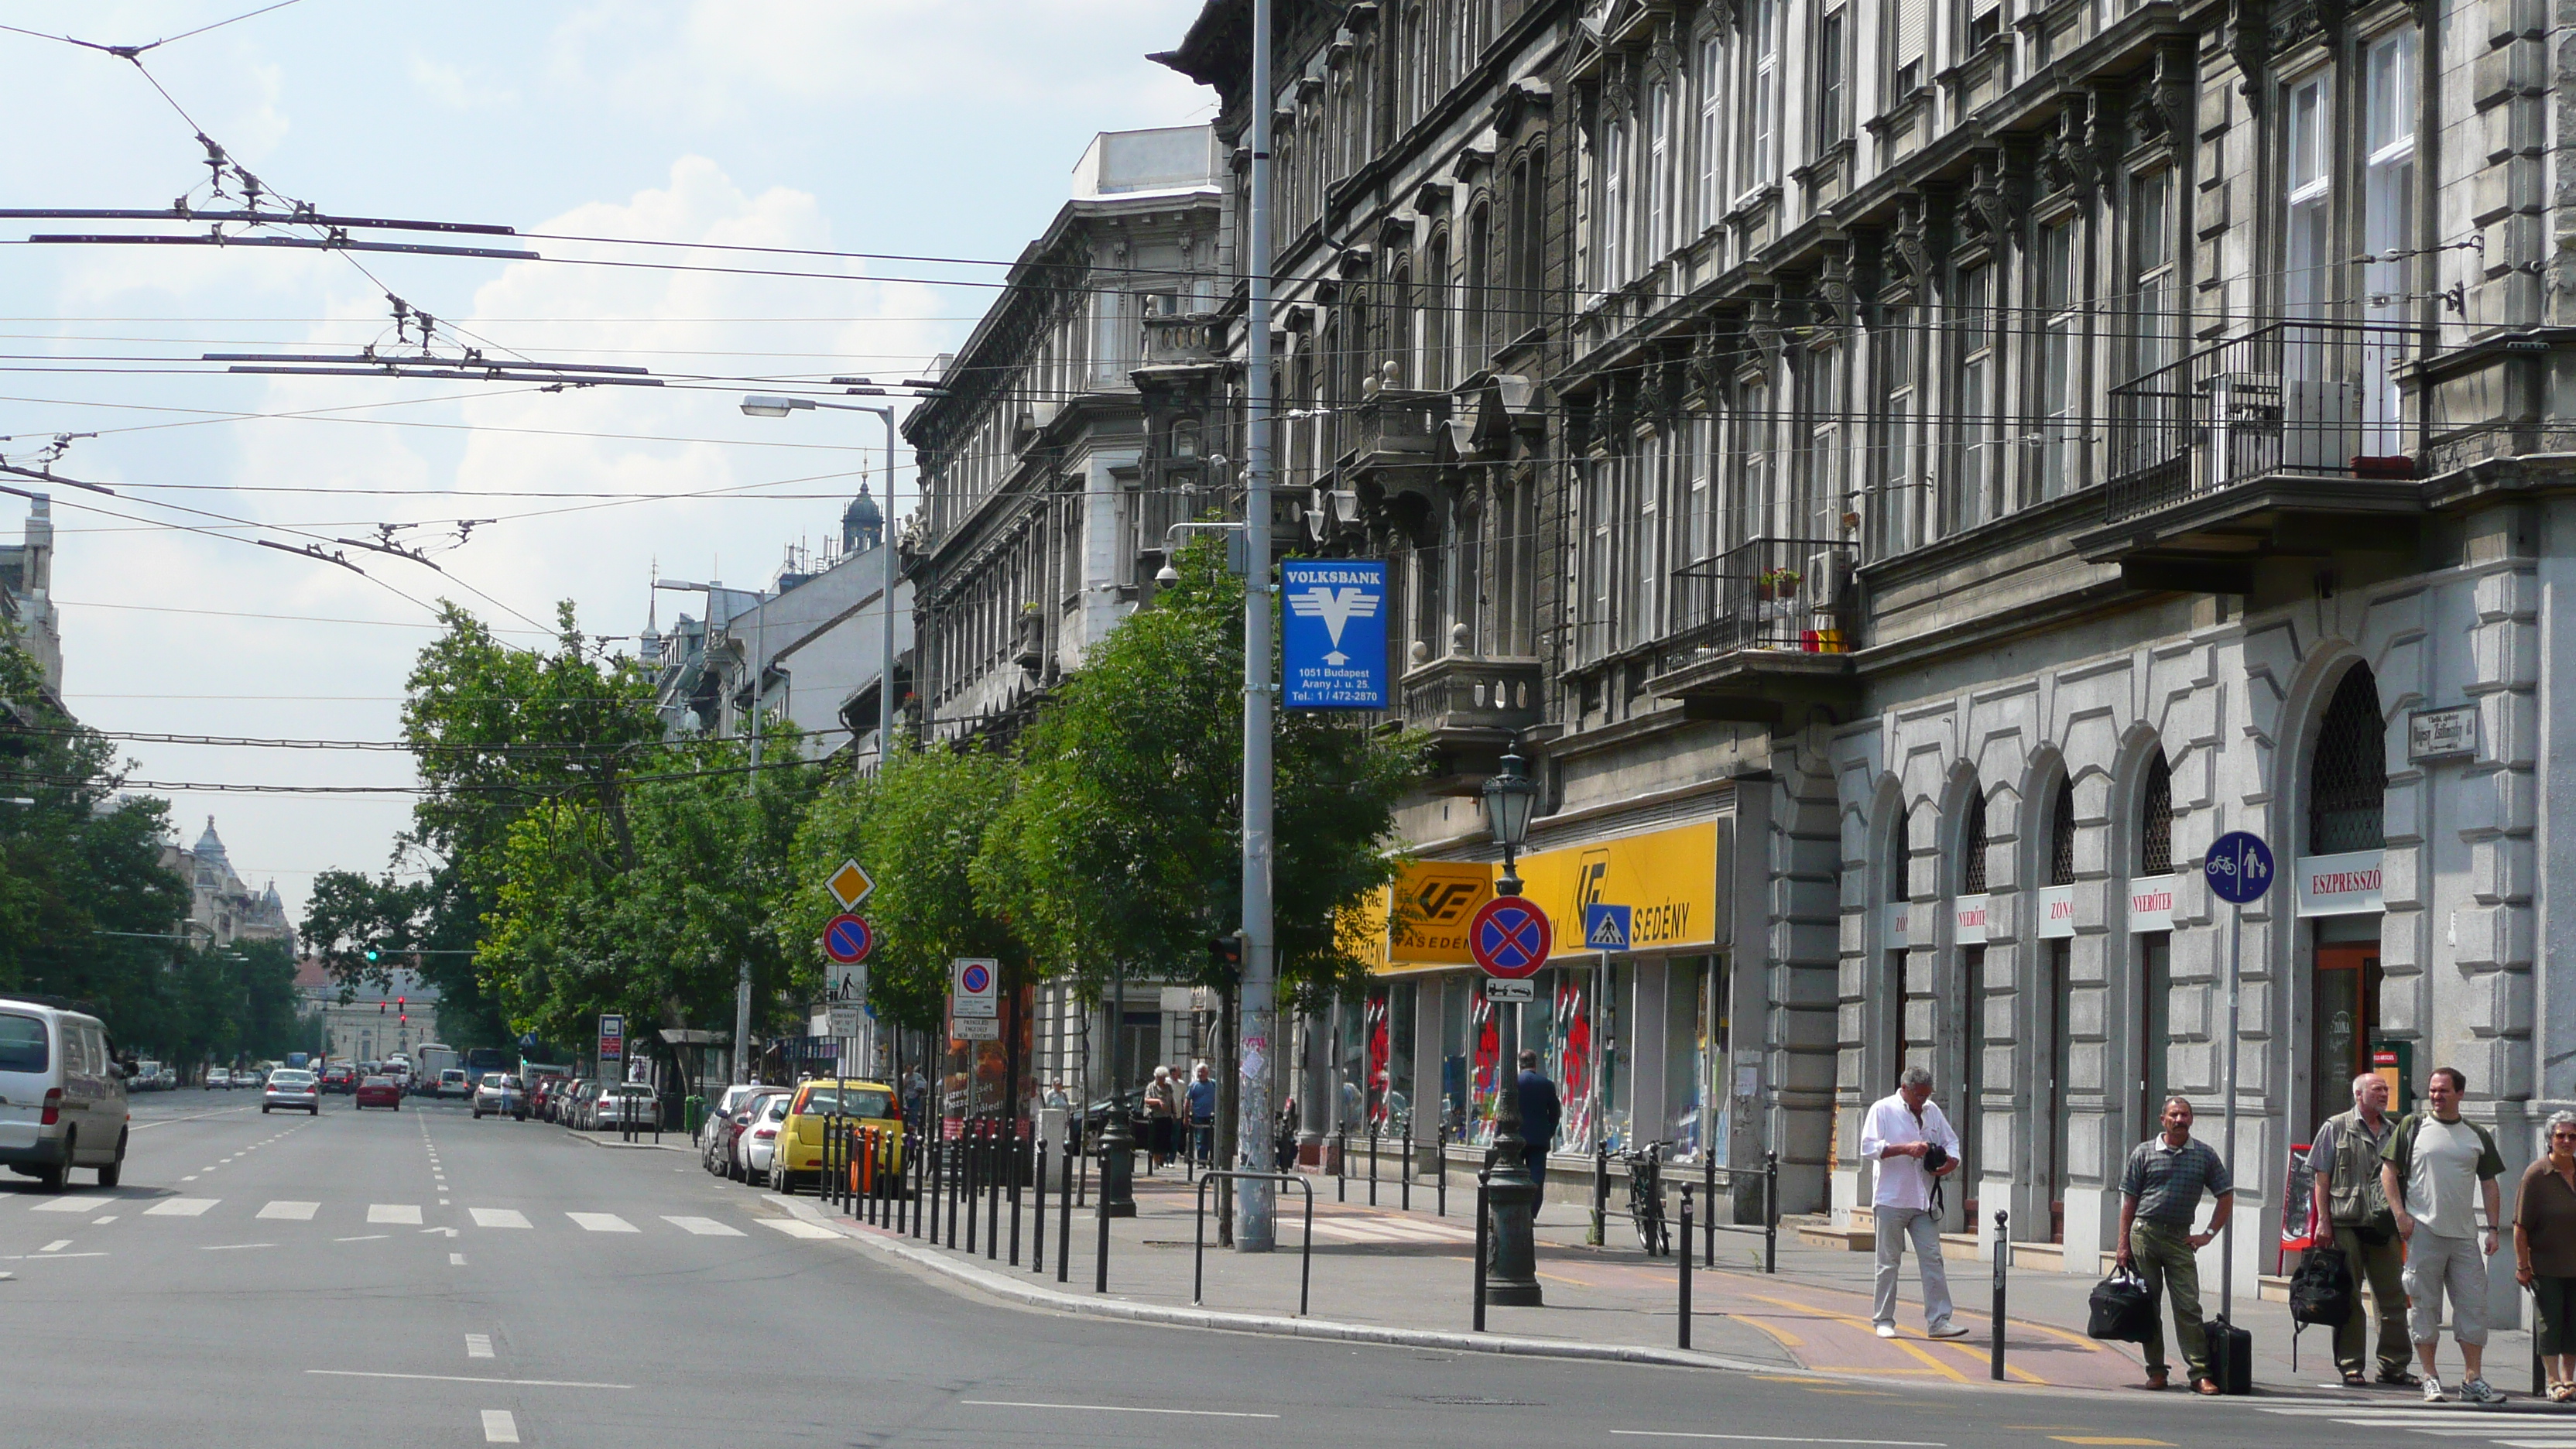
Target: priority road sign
{"x": 849, "y": 885}
{"x": 848, "y": 940}
{"x": 1510, "y": 937}
{"x": 974, "y": 988}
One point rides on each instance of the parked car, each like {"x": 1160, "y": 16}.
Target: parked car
{"x": 576, "y": 1106}
{"x": 541, "y": 1092}
{"x": 292, "y": 1089}
{"x": 499, "y": 1094}
{"x": 219, "y": 1079}
{"x": 378, "y": 1091}
{"x": 725, "y": 1122}
{"x": 800, "y": 1138}
{"x": 756, "y": 1137}
{"x": 62, "y": 1095}
{"x": 249, "y": 1078}
{"x": 619, "y": 1103}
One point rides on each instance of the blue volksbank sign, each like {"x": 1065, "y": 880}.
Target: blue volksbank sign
{"x": 1334, "y": 635}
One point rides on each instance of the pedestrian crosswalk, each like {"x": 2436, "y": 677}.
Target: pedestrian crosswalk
{"x": 1356, "y": 1229}
{"x": 380, "y": 1215}
{"x": 2519, "y": 1424}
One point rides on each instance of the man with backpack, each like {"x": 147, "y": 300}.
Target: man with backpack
{"x": 2352, "y": 1205}
{"x": 2427, "y": 1170}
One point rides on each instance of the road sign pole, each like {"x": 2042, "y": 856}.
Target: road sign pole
{"x": 2227, "y": 1234}
{"x": 1256, "y": 1228}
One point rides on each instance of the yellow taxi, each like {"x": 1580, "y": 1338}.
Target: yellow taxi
{"x": 800, "y": 1136}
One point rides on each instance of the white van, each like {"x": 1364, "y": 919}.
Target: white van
{"x": 62, "y": 1094}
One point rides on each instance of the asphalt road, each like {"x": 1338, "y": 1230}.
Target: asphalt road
{"x": 420, "y": 1278}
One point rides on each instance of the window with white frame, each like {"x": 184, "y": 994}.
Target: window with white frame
{"x": 1659, "y": 159}
{"x": 1600, "y": 481}
{"x": 1832, "y": 99}
{"x": 1758, "y": 155}
{"x": 1900, "y": 496}
{"x": 2154, "y": 299}
{"x": 1972, "y": 334}
{"x": 2058, "y": 356}
{"x": 2307, "y": 170}
{"x": 1613, "y": 212}
{"x": 1825, "y": 433}
{"x": 1908, "y": 48}
{"x": 2387, "y": 228}
{"x": 1710, "y": 81}
{"x": 1753, "y": 502}
{"x": 1699, "y": 530}
{"x": 1646, "y": 542}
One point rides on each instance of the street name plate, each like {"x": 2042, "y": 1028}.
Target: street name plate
{"x": 975, "y": 1028}
{"x": 2442, "y": 734}
{"x": 1498, "y": 988}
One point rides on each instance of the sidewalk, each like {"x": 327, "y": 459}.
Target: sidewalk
{"x": 1388, "y": 1275}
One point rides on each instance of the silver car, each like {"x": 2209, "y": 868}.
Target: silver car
{"x": 293, "y": 1089}
{"x": 620, "y": 1103}
{"x": 499, "y": 1095}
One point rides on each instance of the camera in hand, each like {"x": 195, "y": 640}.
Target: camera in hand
{"x": 1935, "y": 1157}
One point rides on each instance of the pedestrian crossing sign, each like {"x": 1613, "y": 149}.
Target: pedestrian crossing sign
{"x": 849, "y": 885}
{"x": 1605, "y": 928}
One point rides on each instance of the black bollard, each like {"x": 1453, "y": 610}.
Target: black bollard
{"x": 1770, "y": 1212}
{"x": 950, "y": 1159}
{"x": 1372, "y": 1164}
{"x": 1440, "y": 1166}
{"x": 1037, "y": 1188}
{"x": 1684, "y": 1258}
{"x": 1708, "y": 1205}
{"x": 974, "y": 1183}
{"x": 2003, "y": 1262}
{"x": 997, "y": 1160}
{"x": 1064, "y": 1204}
{"x": 1600, "y": 1195}
{"x": 1484, "y": 1245}
{"x": 1412, "y": 1165}
{"x": 1100, "y": 1253}
{"x": 1014, "y": 1155}
{"x": 1341, "y": 1164}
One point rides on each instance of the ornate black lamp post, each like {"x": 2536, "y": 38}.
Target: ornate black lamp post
{"x": 1512, "y": 1281}
{"x": 1117, "y": 1139}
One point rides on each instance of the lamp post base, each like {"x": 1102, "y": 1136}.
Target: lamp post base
{"x": 1511, "y": 1278}
{"x": 1117, "y": 1169}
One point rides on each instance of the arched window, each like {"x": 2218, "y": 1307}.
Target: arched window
{"x": 2061, "y": 836}
{"x": 1434, "y": 306}
{"x": 2348, "y": 779}
{"x": 1972, "y": 847}
{"x": 1399, "y": 325}
{"x": 1900, "y": 858}
{"x": 1480, "y": 244}
{"x": 2155, "y": 819}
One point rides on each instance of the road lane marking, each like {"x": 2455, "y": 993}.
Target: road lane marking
{"x": 704, "y": 1227}
{"x": 292, "y": 1212}
{"x": 363, "y": 1238}
{"x": 499, "y": 1427}
{"x": 478, "y": 1345}
{"x": 405, "y": 1213}
{"x": 2115, "y": 1439}
{"x": 1774, "y": 1438}
{"x": 456, "y": 1260}
{"x": 102, "y": 1222}
{"x": 72, "y": 1204}
{"x": 463, "y": 1379}
{"x": 31, "y": 1258}
{"x": 499, "y": 1218}
{"x": 228, "y": 1247}
{"x": 798, "y": 1227}
{"x": 1112, "y": 1409}
{"x": 181, "y": 1207}
{"x": 56, "y": 1246}
{"x": 602, "y": 1222}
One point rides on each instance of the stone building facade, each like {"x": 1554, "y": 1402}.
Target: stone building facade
{"x": 222, "y": 908}
{"x": 1911, "y": 476}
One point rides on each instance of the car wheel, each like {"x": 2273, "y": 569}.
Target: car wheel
{"x": 52, "y": 1178}
{"x": 114, "y": 1172}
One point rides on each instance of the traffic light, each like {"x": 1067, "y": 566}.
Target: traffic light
{"x": 371, "y": 955}
{"x": 1225, "y": 957}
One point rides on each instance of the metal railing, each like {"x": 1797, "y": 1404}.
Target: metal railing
{"x": 1765, "y": 593}
{"x": 2319, "y": 399}
{"x": 1198, "y": 1232}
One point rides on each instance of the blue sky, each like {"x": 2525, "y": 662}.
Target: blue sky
{"x": 901, "y": 126}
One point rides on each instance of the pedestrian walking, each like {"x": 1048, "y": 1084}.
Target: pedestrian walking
{"x": 2428, "y": 1169}
{"x": 1162, "y": 1116}
{"x": 2544, "y": 1254}
{"x": 1202, "y": 1105}
{"x": 1914, "y": 1147}
{"x": 1541, "y": 1112}
{"x": 2353, "y": 1205}
{"x": 2160, "y": 1192}
{"x": 1283, "y": 1136}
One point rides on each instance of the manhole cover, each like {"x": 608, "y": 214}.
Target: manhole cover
{"x": 1470, "y": 1401}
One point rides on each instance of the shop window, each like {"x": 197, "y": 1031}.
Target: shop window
{"x": 1567, "y": 1056}
{"x": 2348, "y": 780}
{"x": 1972, "y": 846}
{"x": 2061, "y": 836}
{"x": 2155, "y": 819}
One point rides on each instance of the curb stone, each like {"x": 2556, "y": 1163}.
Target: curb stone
{"x": 1269, "y": 1324}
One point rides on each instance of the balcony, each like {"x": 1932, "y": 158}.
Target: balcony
{"x": 1191, "y": 340}
{"x": 1470, "y": 708}
{"x": 1759, "y": 634}
{"x": 1395, "y": 437}
{"x": 2297, "y": 441}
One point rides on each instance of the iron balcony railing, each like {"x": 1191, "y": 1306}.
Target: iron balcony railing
{"x": 1765, "y": 593}
{"x": 2310, "y": 398}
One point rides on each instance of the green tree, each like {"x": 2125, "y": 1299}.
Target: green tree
{"x": 917, "y": 827}
{"x": 1121, "y": 841}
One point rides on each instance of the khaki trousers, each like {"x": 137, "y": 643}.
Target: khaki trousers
{"x": 2383, "y": 1268}
{"x": 2162, "y": 1255}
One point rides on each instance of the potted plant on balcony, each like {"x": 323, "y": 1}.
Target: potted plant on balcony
{"x": 1778, "y": 582}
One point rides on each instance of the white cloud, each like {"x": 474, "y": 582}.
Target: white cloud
{"x": 451, "y": 86}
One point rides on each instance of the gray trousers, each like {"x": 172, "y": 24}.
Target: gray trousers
{"x": 1895, "y": 1225}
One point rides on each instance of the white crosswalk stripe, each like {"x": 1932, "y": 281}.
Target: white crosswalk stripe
{"x": 2521, "y": 1428}
{"x": 602, "y": 1223}
{"x": 293, "y": 1212}
{"x": 704, "y": 1227}
{"x": 181, "y": 1207}
{"x": 499, "y": 1218}
{"x": 394, "y": 1212}
{"x": 72, "y": 1204}
{"x": 797, "y": 1227}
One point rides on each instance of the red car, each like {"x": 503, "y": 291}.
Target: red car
{"x": 379, "y": 1092}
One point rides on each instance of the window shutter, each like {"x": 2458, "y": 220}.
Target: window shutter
{"x": 1913, "y": 26}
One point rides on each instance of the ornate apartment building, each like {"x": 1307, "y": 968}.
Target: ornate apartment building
{"x": 1911, "y": 475}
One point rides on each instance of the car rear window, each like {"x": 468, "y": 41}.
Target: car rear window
{"x": 859, "y": 1102}
{"x": 290, "y": 1079}
{"x": 23, "y": 1044}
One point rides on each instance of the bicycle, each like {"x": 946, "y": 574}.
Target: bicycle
{"x": 1646, "y": 1199}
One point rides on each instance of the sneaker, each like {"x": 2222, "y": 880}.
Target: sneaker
{"x": 1946, "y": 1329}
{"x": 1887, "y": 1330}
{"x": 2433, "y": 1389}
{"x": 2479, "y": 1391}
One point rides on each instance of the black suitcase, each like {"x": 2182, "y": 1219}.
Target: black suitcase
{"x": 2231, "y": 1356}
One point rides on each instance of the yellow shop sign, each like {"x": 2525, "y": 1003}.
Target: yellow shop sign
{"x": 1667, "y": 879}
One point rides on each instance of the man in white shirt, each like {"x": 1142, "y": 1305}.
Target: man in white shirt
{"x": 1904, "y": 1129}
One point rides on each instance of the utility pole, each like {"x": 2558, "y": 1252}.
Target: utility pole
{"x": 1256, "y": 1225}
{"x": 751, "y": 789}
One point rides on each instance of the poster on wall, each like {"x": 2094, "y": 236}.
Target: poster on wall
{"x": 1572, "y": 1040}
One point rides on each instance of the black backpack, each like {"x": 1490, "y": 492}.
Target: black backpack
{"x": 2321, "y": 1290}
{"x": 2122, "y": 1310}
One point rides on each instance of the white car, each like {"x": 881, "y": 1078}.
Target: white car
{"x": 757, "y": 1143}
{"x": 293, "y": 1090}
{"x": 62, "y": 1095}
{"x": 219, "y": 1079}
{"x": 453, "y": 1082}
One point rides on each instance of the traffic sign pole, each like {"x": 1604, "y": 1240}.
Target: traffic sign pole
{"x": 2239, "y": 869}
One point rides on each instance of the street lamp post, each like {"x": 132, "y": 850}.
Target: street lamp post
{"x": 1512, "y": 1281}
{"x": 1117, "y": 1139}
